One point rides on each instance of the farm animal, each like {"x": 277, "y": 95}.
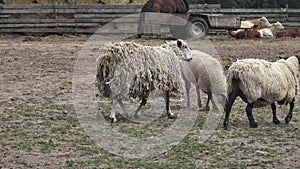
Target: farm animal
{"x": 252, "y": 33}
{"x": 259, "y": 83}
{"x": 294, "y": 32}
{"x": 129, "y": 70}
{"x": 166, "y": 6}
{"x": 261, "y": 23}
{"x": 206, "y": 73}
{"x": 271, "y": 31}
{"x": 162, "y": 6}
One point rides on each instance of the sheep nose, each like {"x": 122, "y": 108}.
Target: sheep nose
{"x": 189, "y": 59}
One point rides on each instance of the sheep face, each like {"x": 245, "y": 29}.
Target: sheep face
{"x": 183, "y": 46}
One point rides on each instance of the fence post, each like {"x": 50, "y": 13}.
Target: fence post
{"x": 287, "y": 12}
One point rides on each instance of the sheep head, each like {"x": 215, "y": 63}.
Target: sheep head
{"x": 185, "y": 49}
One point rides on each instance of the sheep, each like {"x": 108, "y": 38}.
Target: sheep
{"x": 259, "y": 83}
{"x": 271, "y": 31}
{"x": 128, "y": 70}
{"x": 206, "y": 73}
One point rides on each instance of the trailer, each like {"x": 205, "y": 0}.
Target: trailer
{"x": 188, "y": 25}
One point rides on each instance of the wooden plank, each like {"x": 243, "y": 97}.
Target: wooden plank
{"x": 290, "y": 10}
{"x": 40, "y": 21}
{"x": 5, "y": 16}
{"x": 250, "y": 10}
{"x": 94, "y": 16}
{"x": 97, "y": 6}
{"x": 260, "y": 15}
{"x": 36, "y": 21}
{"x": 49, "y": 25}
{"x": 68, "y": 6}
{"x": 67, "y": 30}
{"x": 294, "y": 19}
{"x": 293, "y": 24}
{"x": 69, "y": 11}
{"x": 46, "y": 30}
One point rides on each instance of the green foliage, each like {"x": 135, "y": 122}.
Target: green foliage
{"x": 251, "y": 3}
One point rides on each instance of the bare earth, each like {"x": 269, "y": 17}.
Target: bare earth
{"x": 39, "y": 127}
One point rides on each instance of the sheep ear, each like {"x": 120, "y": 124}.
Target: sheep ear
{"x": 283, "y": 57}
{"x": 179, "y": 43}
{"x": 298, "y": 57}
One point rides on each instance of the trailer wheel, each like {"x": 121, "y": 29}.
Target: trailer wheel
{"x": 197, "y": 28}
{"x": 178, "y": 31}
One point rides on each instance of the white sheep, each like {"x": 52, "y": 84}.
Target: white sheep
{"x": 206, "y": 73}
{"x": 130, "y": 70}
{"x": 271, "y": 31}
{"x": 260, "y": 83}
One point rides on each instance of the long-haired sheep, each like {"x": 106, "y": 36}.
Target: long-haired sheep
{"x": 260, "y": 83}
{"x": 130, "y": 70}
{"x": 206, "y": 73}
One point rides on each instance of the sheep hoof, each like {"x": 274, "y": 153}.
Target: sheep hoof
{"x": 254, "y": 125}
{"x": 171, "y": 115}
{"x": 113, "y": 120}
{"x": 276, "y": 121}
{"x": 287, "y": 120}
{"x": 226, "y": 127}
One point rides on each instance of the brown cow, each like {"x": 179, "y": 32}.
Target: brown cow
{"x": 295, "y": 32}
{"x": 252, "y": 33}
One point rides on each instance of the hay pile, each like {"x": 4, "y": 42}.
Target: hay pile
{"x": 128, "y": 69}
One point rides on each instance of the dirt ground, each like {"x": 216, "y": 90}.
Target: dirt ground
{"x": 39, "y": 127}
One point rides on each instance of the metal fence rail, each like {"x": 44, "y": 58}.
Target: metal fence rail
{"x": 40, "y": 18}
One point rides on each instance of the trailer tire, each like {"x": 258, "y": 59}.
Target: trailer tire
{"x": 197, "y": 28}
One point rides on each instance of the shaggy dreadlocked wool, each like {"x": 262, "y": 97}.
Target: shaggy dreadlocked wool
{"x": 128, "y": 69}
{"x": 268, "y": 81}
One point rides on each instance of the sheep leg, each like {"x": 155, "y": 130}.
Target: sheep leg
{"x": 288, "y": 118}
{"x": 198, "y": 96}
{"x": 210, "y": 96}
{"x": 187, "y": 89}
{"x": 231, "y": 98}
{"x": 249, "y": 108}
{"x": 120, "y": 102}
{"x": 167, "y": 101}
{"x": 207, "y": 102}
{"x": 138, "y": 110}
{"x": 112, "y": 115}
{"x": 275, "y": 119}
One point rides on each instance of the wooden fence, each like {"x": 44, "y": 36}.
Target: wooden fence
{"x": 37, "y": 18}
